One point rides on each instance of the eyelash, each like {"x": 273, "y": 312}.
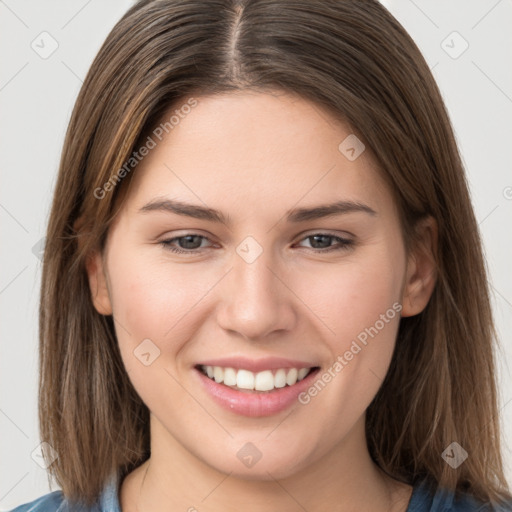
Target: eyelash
{"x": 344, "y": 243}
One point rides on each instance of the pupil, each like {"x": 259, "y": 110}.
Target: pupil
{"x": 185, "y": 241}
{"x": 326, "y": 238}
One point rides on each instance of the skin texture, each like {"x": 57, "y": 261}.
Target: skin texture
{"x": 255, "y": 156}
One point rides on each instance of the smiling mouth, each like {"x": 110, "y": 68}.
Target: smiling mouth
{"x": 255, "y": 382}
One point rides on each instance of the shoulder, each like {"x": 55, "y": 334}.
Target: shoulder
{"x": 428, "y": 497}
{"x": 51, "y": 502}
{"x": 55, "y": 501}
{"x": 466, "y": 502}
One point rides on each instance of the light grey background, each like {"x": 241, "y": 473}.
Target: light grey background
{"x": 36, "y": 99}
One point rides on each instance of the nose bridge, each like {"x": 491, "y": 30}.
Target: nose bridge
{"x": 255, "y": 302}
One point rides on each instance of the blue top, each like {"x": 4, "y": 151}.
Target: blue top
{"x": 421, "y": 501}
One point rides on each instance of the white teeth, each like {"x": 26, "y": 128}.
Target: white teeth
{"x": 230, "y": 377}
{"x": 245, "y": 379}
{"x": 218, "y": 374}
{"x": 265, "y": 380}
{"x": 280, "y": 378}
{"x": 291, "y": 377}
{"x": 302, "y": 373}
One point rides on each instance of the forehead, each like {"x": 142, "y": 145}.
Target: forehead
{"x": 252, "y": 149}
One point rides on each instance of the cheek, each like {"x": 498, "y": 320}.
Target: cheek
{"x": 361, "y": 308}
{"x": 155, "y": 314}
{"x": 152, "y": 300}
{"x": 365, "y": 321}
{"x": 351, "y": 296}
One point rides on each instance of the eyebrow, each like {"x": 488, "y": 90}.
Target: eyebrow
{"x": 295, "y": 215}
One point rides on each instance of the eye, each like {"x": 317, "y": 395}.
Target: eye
{"x": 321, "y": 242}
{"x": 192, "y": 243}
{"x": 189, "y": 242}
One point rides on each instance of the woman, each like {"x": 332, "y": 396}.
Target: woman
{"x": 256, "y": 288}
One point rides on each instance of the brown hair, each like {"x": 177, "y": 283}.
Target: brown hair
{"x": 354, "y": 59}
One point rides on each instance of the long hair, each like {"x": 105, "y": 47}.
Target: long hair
{"x": 353, "y": 58}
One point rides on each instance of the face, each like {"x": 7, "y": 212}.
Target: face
{"x": 224, "y": 256}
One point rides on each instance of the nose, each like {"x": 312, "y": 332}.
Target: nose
{"x": 257, "y": 300}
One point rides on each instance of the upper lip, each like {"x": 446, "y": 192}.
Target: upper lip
{"x": 256, "y": 365}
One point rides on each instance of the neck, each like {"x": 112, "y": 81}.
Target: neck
{"x": 345, "y": 479}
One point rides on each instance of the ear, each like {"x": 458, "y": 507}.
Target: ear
{"x": 98, "y": 283}
{"x": 95, "y": 270}
{"x": 421, "y": 273}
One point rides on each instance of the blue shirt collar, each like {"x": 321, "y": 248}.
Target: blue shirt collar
{"x": 109, "y": 498}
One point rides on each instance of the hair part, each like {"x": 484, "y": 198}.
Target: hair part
{"x": 355, "y": 60}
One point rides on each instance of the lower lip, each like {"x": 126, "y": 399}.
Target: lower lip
{"x": 255, "y": 404}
